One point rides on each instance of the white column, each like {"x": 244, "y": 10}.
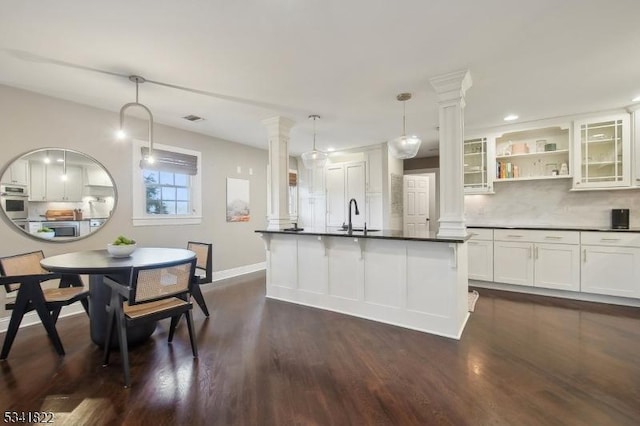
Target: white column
{"x": 451, "y": 89}
{"x": 278, "y": 129}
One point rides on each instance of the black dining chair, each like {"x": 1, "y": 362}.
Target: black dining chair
{"x": 152, "y": 293}
{"x": 23, "y": 274}
{"x": 204, "y": 271}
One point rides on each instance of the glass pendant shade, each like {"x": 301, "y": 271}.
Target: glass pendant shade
{"x": 404, "y": 146}
{"x": 314, "y": 159}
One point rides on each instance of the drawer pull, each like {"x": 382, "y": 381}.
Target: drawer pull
{"x": 610, "y": 239}
{"x": 473, "y": 234}
{"x": 514, "y": 236}
{"x": 552, "y": 237}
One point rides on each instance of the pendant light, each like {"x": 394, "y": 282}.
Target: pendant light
{"x": 314, "y": 159}
{"x": 121, "y": 133}
{"x": 404, "y": 147}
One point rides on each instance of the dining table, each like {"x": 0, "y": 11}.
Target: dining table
{"x": 99, "y": 263}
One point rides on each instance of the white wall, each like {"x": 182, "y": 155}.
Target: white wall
{"x": 29, "y": 121}
{"x": 549, "y": 202}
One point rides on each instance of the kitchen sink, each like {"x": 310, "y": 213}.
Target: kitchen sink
{"x": 360, "y": 230}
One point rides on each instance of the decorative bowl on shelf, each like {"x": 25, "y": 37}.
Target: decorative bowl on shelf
{"x": 121, "y": 250}
{"x": 47, "y": 235}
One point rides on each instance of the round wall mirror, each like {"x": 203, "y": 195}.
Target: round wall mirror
{"x": 57, "y": 194}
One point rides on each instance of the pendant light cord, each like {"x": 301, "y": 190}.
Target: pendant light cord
{"x": 314, "y": 133}
{"x": 404, "y": 118}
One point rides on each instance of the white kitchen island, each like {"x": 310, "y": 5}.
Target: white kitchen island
{"x": 411, "y": 282}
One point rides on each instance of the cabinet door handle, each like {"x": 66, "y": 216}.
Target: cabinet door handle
{"x": 552, "y": 237}
{"x": 530, "y": 252}
{"x": 473, "y": 234}
{"x": 584, "y": 255}
{"x": 610, "y": 239}
{"x": 536, "y": 252}
{"x": 514, "y": 236}
{"x": 473, "y": 243}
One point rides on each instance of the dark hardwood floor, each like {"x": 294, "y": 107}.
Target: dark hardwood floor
{"x": 522, "y": 360}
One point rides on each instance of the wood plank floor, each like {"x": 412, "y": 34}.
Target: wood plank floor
{"x": 522, "y": 360}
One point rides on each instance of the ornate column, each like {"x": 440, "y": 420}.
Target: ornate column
{"x": 278, "y": 129}
{"x": 451, "y": 89}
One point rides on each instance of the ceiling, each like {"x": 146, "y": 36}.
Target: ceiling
{"x": 345, "y": 60}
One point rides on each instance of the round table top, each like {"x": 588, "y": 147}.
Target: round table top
{"x": 101, "y": 262}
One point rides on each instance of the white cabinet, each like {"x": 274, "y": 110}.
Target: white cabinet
{"x": 557, "y": 266}
{"x": 547, "y": 259}
{"x": 480, "y": 249}
{"x": 603, "y": 152}
{"x": 611, "y": 263}
{"x": 344, "y": 182}
{"x": 635, "y": 120}
{"x": 97, "y": 176}
{"x": 47, "y": 183}
{"x": 37, "y": 182}
{"x": 542, "y": 153}
{"x": 513, "y": 262}
{"x": 17, "y": 173}
{"x": 374, "y": 171}
{"x": 478, "y": 167}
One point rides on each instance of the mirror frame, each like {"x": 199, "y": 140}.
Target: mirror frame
{"x": 26, "y": 232}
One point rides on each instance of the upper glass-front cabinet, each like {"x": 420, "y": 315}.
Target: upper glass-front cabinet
{"x": 603, "y": 148}
{"x": 476, "y": 178}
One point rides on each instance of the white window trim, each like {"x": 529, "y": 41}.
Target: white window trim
{"x": 139, "y": 216}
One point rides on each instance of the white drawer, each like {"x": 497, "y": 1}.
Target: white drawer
{"x": 620, "y": 239}
{"x": 535, "y": 236}
{"x": 484, "y": 234}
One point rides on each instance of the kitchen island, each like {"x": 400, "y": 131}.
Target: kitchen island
{"x": 413, "y": 282}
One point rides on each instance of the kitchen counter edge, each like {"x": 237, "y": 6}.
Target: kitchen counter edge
{"x": 378, "y": 235}
{"x": 555, "y": 228}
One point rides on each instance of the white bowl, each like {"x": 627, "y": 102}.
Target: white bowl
{"x": 122, "y": 250}
{"x": 46, "y": 235}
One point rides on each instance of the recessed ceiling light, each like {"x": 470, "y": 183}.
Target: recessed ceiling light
{"x": 331, "y": 149}
{"x": 636, "y": 99}
{"x": 511, "y": 117}
{"x": 193, "y": 118}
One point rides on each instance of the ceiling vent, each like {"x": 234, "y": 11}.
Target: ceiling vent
{"x": 193, "y": 118}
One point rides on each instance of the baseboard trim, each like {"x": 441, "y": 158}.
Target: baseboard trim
{"x": 583, "y": 297}
{"x": 32, "y": 317}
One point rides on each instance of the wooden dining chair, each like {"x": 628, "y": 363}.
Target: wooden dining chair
{"x": 23, "y": 274}
{"x": 152, "y": 293}
{"x": 204, "y": 271}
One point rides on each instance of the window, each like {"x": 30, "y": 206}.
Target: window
{"x": 167, "y": 191}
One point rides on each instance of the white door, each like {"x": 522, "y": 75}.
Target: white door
{"x": 416, "y": 205}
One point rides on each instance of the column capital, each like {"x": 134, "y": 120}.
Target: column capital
{"x": 452, "y": 85}
{"x": 278, "y": 126}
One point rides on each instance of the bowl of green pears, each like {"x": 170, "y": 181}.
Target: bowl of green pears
{"x": 121, "y": 247}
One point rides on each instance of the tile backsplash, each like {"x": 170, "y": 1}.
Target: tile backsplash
{"x": 549, "y": 202}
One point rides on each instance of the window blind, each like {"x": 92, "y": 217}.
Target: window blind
{"x": 168, "y": 161}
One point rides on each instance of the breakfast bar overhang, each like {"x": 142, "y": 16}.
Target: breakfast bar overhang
{"x": 413, "y": 282}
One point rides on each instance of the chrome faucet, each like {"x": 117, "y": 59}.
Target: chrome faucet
{"x": 350, "y": 225}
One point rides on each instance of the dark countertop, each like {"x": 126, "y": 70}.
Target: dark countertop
{"x": 384, "y": 234}
{"x": 84, "y": 219}
{"x": 555, "y": 228}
